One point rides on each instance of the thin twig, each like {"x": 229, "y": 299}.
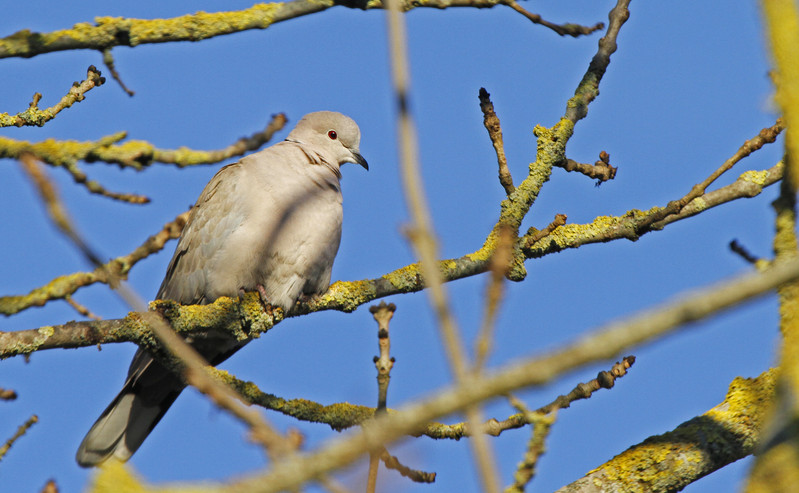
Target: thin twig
{"x": 601, "y": 170}
{"x": 33, "y": 116}
{"x": 7, "y": 394}
{"x": 196, "y": 375}
{"x": 108, "y": 60}
{"x": 423, "y": 240}
{"x": 503, "y": 255}
{"x": 50, "y": 487}
{"x": 64, "y": 286}
{"x": 604, "y": 380}
{"x": 382, "y": 314}
{"x": 23, "y": 428}
{"x": 491, "y": 123}
{"x": 414, "y": 475}
{"x": 81, "y": 309}
{"x": 55, "y": 207}
{"x": 525, "y": 470}
{"x": 536, "y": 236}
{"x": 742, "y": 252}
{"x": 765, "y": 136}
{"x": 574, "y": 30}
{"x": 96, "y": 188}
{"x": 186, "y": 157}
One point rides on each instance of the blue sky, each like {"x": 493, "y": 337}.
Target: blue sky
{"x": 687, "y": 86}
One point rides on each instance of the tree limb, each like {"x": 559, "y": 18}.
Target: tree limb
{"x": 108, "y": 32}
{"x": 706, "y": 443}
{"x": 33, "y": 116}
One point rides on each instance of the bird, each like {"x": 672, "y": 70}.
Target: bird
{"x": 270, "y": 223}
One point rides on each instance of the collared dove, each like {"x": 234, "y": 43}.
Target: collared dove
{"x": 271, "y": 223}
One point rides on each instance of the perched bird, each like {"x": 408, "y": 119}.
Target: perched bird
{"x": 270, "y": 222}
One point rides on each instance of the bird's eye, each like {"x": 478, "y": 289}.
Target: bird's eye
{"x": 332, "y": 134}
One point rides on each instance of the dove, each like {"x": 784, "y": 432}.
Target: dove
{"x": 269, "y": 223}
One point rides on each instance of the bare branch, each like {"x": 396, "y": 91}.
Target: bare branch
{"x": 23, "y": 428}
{"x": 500, "y": 260}
{"x": 604, "y": 380}
{"x": 382, "y": 314}
{"x": 108, "y": 60}
{"x": 601, "y": 170}
{"x": 193, "y": 370}
{"x": 737, "y": 247}
{"x": 525, "y": 471}
{"x": 569, "y": 29}
{"x": 7, "y": 394}
{"x": 414, "y": 475}
{"x": 84, "y": 311}
{"x": 50, "y": 487}
{"x": 491, "y": 122}
{"x": 424, "y": 241}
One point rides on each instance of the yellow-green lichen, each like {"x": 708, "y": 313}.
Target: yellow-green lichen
{"x": 45, "y": 333}
{"x": 348, "y": 294}
{"x": 721, "y": 435}
{"x": 757, "y": 177}
{"x": 404, "y": 278}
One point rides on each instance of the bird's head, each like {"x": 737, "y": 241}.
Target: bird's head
{"x": 336, "y": 134}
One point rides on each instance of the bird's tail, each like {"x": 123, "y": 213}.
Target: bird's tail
{"x": 132, "y": 415}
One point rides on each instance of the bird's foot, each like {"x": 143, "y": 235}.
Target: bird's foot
{"x": 308, "y": 298}
{"x": 264, "y": 300}
{"x": 261, "y": 296}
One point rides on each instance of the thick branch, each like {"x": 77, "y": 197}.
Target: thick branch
{"x": 240, "y": 319}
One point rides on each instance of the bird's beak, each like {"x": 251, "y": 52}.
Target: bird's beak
{"x": 360, "y": 160}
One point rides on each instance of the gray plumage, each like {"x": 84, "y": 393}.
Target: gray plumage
{"x": 270, "y": 223}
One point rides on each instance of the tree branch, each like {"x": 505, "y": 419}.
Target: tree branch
{"x": 706, "y": 443}
{"x": 136, "y": 154}
{"x": 118, "y": 268}
{"x": 33, "y": 116}
{"x": 108, "y": 32}
{"x": 599, "y": 345}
